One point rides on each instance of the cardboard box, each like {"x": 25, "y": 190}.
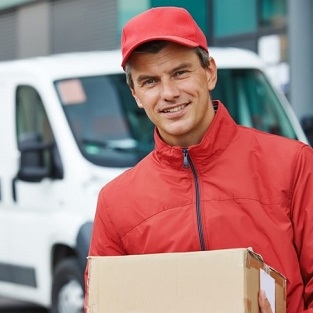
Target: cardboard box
{"x": 219, "y": 281}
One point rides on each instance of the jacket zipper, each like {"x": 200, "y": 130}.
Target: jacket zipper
{"x": 187, "y": 162}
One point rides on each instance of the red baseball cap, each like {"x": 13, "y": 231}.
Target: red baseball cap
{"x": 161, "y": 23}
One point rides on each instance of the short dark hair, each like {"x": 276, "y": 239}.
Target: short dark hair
{"x": 156, "y": 46}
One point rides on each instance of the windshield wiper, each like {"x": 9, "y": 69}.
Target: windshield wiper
{"x": 114, "y": 144}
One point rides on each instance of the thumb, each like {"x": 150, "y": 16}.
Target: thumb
{"x": 264, "y": 304}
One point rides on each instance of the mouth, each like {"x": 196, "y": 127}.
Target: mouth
{"x": 175, "y": 109}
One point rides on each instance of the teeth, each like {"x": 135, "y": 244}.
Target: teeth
{"x": 174, "y": 109}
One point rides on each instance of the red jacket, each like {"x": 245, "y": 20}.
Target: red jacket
{"x": 238, "y": 188}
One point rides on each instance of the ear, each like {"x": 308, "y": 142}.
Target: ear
{"x": 136, "y": 98}
{"x": 211, "y": 74}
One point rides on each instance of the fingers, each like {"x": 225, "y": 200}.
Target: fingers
{"x": 265, "y": 306}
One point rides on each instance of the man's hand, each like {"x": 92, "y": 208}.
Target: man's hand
{"x": 264, "y": 304}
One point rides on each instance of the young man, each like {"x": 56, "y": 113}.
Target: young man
{"x": 209, "y": 183}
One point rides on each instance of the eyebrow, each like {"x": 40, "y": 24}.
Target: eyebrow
{"x": 172, "y": 71}
{"x": 182, "y": 66}
{"x": 144, "y": 77}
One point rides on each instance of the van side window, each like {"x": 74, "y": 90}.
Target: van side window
{"x": 30, "y": 114}
{"x": 252, "y": 102}
{"x": 34, "y": 134}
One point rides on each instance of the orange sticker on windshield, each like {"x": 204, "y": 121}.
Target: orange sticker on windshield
{"x": 72, "y": 91}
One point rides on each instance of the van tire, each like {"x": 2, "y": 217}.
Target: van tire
{"x": 68, "y": 287}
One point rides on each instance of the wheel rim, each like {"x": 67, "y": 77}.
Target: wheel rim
{"x": 71, "y": 298}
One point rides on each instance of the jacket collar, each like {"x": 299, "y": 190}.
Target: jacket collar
{"x": 216, "y": 139}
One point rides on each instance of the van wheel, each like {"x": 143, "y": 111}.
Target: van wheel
{"x": 68, "y": 288}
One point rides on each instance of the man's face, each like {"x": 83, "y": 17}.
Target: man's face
{"x": 173, "y": 89}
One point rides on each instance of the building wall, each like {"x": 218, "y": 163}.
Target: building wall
{"x": 80, "y": 25}
{"x": 33, "y": 30}
{"x": 8, "y": 35}
{"x": 44, "y": 27}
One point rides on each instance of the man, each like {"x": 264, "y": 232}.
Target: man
{"x": 209, "y": 183}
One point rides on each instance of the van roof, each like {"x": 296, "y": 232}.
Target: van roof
{"x": 72, "y": 64}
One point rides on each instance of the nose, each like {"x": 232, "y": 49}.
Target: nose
{"x": 169, "y": 90}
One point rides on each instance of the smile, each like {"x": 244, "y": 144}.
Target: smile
{"x": 176, "y": 109}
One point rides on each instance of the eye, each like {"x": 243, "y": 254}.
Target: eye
{"x": 149, "y": 82}
{"x": 181, "y": 73}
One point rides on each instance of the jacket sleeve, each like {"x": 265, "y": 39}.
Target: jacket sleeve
{"x": 104, "y": 239}
{"x": 302, "y": 219}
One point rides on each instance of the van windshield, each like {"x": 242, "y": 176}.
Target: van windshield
{"x": 108, "y": 126}
{"x": 110, "y": 129}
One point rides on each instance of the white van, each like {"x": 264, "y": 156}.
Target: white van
{"x": 69, "y": 125}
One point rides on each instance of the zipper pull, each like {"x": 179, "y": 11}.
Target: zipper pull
{"x": 185, "y": 156}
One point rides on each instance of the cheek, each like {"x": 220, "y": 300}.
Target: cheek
{"x": 196, "y": 88}
{"x": 147, "y": 99}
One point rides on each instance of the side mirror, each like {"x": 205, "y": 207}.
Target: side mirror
{"x": 307, "y": 125}
{"x": 32, "y": 165}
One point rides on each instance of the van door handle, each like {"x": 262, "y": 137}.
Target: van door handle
{"x": 14, "y": 189}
